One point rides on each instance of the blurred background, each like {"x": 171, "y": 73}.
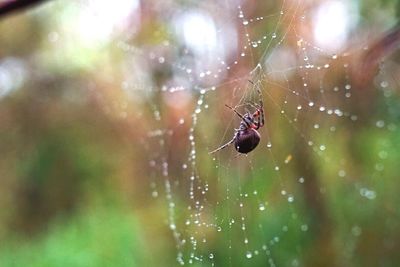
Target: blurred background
{"x": 108, "y": 110}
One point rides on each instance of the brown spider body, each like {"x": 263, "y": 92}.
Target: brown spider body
{"x": 246, "y": 138}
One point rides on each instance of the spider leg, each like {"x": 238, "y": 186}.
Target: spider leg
{"x": 240, "y": 115}
{"x": 223, "y": 146}
{"x": 261, "y": 108}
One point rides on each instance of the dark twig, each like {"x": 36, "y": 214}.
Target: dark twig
{"x": 10, "y": 6}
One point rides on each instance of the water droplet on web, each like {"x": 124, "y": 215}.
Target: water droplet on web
{"x": 261, "y": 207}
{"x": 211, "y": 256}
{"x": 273, "y": 36}
{"x": 356, "y": 230}
{"x": 380, "y": 124}
{"x": 290, "y": 199}
{"x": 382, "y": 154}
{"x": 311, "y": 104}
{"x": 342, "y": 173}
{"x": 269, "y": 145}
{"x": 249, "y": 255}
{"x": 245, "y": 22}
{"x": 369, "y": 194}
{"x": 384, "y": 84}
{"x": 334, "y": 56}
{"x": 301, "y": 180}
{"x": 181, "y": 121}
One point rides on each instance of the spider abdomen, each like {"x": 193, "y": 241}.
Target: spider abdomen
{"x": 246, "y": 140}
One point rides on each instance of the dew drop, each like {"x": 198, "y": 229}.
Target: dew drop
{"x": 380, "y": 124}
{"x": 356, "y": 230}
{"x": 249, "y": 255}
{"x": 384, "y": 84}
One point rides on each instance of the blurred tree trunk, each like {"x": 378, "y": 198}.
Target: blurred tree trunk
{"x": 368, "y": 63}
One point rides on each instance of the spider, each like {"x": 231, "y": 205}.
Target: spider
{"x": 246, "y": 138}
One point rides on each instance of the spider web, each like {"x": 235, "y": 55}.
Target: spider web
{"x": 245, "y": 209}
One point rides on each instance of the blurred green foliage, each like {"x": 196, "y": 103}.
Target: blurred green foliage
{"x": 82, "y": 180}
{"x": 94, "y": 237}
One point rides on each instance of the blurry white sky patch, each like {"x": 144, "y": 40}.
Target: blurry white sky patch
{"x": 81, "y": 30}
{"x": 199, "y": 32}
{"x": 332, "y": 22}
{"x": 13, "y": 73}
{"x": 97, "y": 20}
